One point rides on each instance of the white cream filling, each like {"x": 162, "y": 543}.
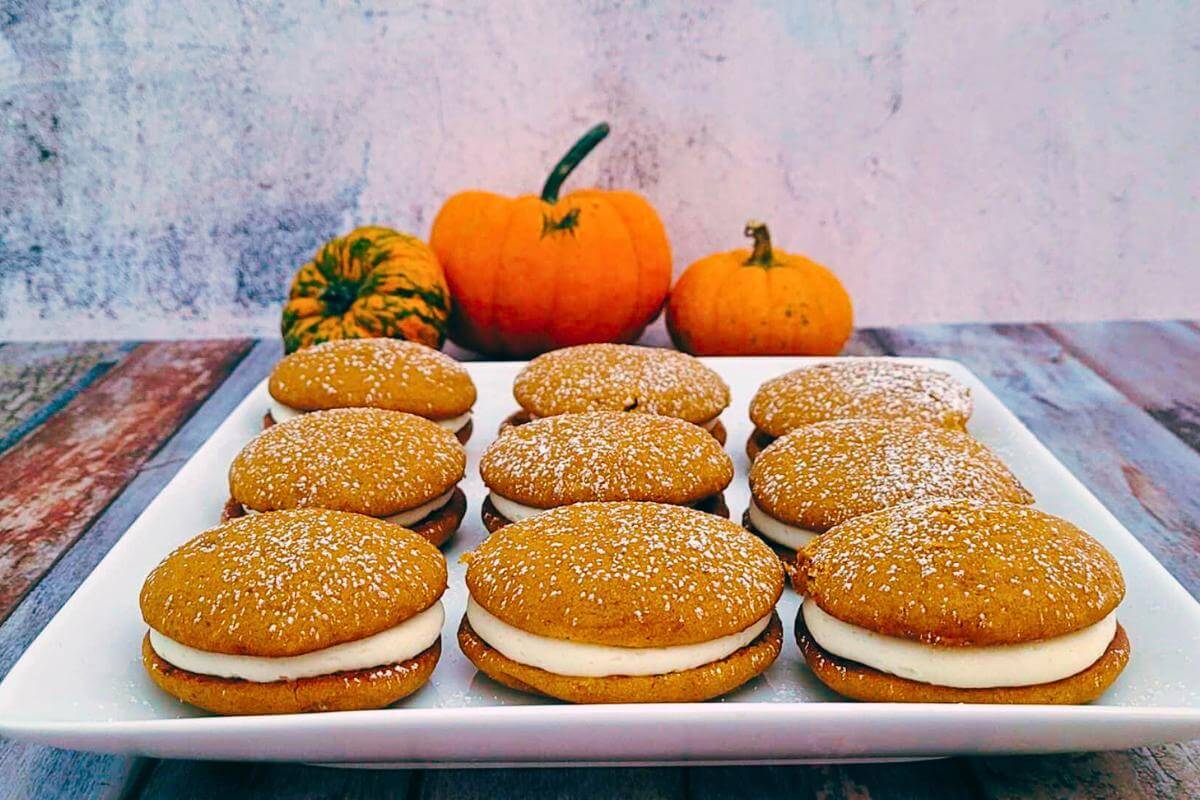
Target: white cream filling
{"x": 986, "y": 667}
{"x": 712, "y": 423}
{"x": 513, "y": 511}
{"x": 404, "y": 517}
{"x": 406, "y": 640}
{"x": 282, "y": 413}
{"x": 420, "y": 512}
{"x": 579, "y": 659}
{"x": 454, "y": 424}
{"x": 779, "y": 532}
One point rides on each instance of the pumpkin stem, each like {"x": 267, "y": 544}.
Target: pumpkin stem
{"x": 571, "y": 160}
{"x": 762, "y": 255}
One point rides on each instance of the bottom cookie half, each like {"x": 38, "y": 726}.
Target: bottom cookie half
{"x": 860, "y": 682}
{"x": 692, "y": 685}
{"x": 342, "y": 691}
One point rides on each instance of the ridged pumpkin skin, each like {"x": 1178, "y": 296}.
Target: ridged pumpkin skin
{"x": 531, "y": 274}
{"x": 372, "y": 283}
{"x": 760, "y": 302}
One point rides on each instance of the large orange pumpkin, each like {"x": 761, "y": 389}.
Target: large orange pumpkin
{"x": 535, "y": 273}
{"x": 759, "y": 302}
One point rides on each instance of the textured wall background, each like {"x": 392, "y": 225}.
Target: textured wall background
{"x": 164, "y": 168}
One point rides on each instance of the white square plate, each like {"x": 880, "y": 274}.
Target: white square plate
{"x": 80, "y": 684}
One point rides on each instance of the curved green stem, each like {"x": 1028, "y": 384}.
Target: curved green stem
{"x": 762, "y": 255}
{"x": 571, "y": 160}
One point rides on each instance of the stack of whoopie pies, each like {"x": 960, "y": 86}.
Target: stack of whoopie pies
{"x": 609, "y": 571}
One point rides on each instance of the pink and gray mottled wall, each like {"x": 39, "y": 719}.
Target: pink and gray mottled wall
{"x": 165, "y": 166}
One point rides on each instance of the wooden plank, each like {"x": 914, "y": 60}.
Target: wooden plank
{"x": 27, "y": 772}
{"x": 70, "y": 468}
{"x": 937, "y": 778}
{"x": 39, "y": 378}
{"x": 61, "y": 772}
{"x": 1142, "y": 473}
{"x": 1144, "y": 774}
{"x": 1154, "y": 364}
{"x": 201, "y": 780}
{"x": 640, "y": 783}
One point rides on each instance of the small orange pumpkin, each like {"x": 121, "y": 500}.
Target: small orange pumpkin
{"x": 531, "y": 274}
{"x": 760, "y": 302}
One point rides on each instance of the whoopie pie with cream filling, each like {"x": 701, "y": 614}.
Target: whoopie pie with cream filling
{"x": 961, "y": 602}
{"x": 390, "y": 465}
{"x": 622, "y": 603}
{"x": 621, "y": 377}
{"x": 390, "y": 374}
{"x": 878, "y": 388}
{"x": 602, "y": 456}
{"x": 823, "y": 474}
{"x": 295, "y": 611}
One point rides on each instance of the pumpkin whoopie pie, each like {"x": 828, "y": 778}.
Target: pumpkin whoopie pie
{"x": 621, "y": 377}
{"x": 622, "y": 603}
{"x": 387, "y": 464}
{"x": 961, "y": 602}
{"x": 823, "y": 474}
{"x": 391, "y": 374}
{"x": 294, "y": 611}
{"x": 881, "y": 388}
{"x": 602, "y": 456}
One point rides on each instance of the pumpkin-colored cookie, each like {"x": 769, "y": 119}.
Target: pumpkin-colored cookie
{"x": 617, "y": 377}
{"x": 822, "y": 474}
{"x": 375, "y": 373}
{"x": 295, "y": 610}
{"x": 984, "y": 593}
{"x": 369, "y": 461}
{"x": 878, "y": 388}
{"x": 603, "y": 456}
{"x": 595, "y": 591}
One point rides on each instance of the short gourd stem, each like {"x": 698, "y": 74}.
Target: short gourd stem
{"x": 761, "y": 255}
{"x": 571, "y": 160}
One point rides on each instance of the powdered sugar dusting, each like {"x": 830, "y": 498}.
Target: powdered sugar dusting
{"x": 962, "y": 573}
{"x": 822, "y": 474}
{"x": 860, "y": 387}
{"x": 625, "y": 574}
{"x": 379, "y": 373}
{"x": 351, "y": 459}
{"x": 605, "y": 455}
{"x": 291, "y": 582}
{"x": 618, "y": 377}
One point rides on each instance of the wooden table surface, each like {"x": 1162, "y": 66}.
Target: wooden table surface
{"x": 91, "y": 431}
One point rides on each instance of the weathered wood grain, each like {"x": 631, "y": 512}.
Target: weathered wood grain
{"x": 938, "y": 778}
{"x": 584, "y": 783}
{"x": 1154, "y": 364}
{"x": 44, "y": 773}
{"x": 39, "y": 378}
{"x": 205, "y": 780}
{"x": 70, "y": 468}
{"x": 1143, "y": 774}
{"x": 1146, "y": 477}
